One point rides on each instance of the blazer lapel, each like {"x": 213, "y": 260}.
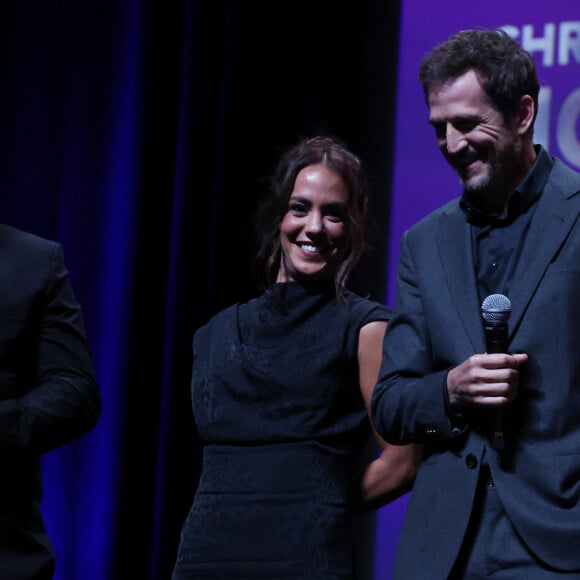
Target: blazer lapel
{"x": 454, "y": 246}
{"x": 551, "y": 223}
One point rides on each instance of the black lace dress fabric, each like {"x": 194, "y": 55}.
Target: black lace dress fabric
{"x": 278, "y": 408}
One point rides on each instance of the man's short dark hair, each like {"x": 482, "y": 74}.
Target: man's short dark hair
{"x": 507, "y": 70}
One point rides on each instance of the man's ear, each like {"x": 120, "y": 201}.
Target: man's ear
{"x": 524, "y": 116}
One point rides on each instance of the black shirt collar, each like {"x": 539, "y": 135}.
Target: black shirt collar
{"x": 525, "y": 195}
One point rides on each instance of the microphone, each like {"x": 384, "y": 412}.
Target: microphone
{"x": 495, "y": 311}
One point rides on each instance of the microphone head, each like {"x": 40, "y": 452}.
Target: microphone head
{"x": 496, "y": 309}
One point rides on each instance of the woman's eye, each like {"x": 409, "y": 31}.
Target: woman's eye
{"x": 298, "y": 208}
{"x": 336, "y": 214}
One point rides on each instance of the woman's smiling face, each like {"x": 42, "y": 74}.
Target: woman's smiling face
{"x": 314, "y": 231}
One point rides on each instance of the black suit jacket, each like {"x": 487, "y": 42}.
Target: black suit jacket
{"x": 48, "y": 392}
{"x": 437, "y": 326}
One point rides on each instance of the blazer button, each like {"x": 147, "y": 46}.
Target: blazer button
{"x": 471, "y": 461}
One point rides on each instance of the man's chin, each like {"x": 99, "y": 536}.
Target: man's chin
{"x": 475, "y": 184}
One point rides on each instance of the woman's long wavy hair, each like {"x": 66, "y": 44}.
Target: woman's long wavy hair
{"x": 332, "y": 153}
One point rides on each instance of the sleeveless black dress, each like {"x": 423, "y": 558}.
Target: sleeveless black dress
{"x": 277, "y": 404}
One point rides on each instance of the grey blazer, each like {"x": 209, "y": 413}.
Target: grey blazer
{"x": 437, "y": 325}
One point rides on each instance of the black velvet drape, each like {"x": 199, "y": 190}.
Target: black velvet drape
{"x": 140, "y": 134}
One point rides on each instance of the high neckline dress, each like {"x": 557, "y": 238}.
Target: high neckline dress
{"x": 278, "y": 409}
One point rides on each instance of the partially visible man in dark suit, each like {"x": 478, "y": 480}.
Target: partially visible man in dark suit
{"x": 477, "y": 510}
{"x": 48, "y": 391}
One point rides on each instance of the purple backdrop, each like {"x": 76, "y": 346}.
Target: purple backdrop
{"x": 422, "y": 180}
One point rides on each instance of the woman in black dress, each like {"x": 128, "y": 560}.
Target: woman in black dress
{"x": 281, "y": 388}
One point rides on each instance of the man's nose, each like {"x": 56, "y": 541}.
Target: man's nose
{"x": 455, "y": 140}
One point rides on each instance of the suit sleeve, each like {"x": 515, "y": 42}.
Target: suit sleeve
{"x": 408, "y": 403}
{"x": 55, "y": 397}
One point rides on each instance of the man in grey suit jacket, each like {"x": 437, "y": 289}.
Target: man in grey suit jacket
{"x": 478, "y": 510}
{"x": 48, "y": 391}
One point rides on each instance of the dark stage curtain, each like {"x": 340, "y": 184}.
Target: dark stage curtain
{"x": 140, "y": 134}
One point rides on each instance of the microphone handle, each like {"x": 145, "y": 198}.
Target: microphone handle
{"x": 496, "y": 336}
{"x": 497, "y": 429}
